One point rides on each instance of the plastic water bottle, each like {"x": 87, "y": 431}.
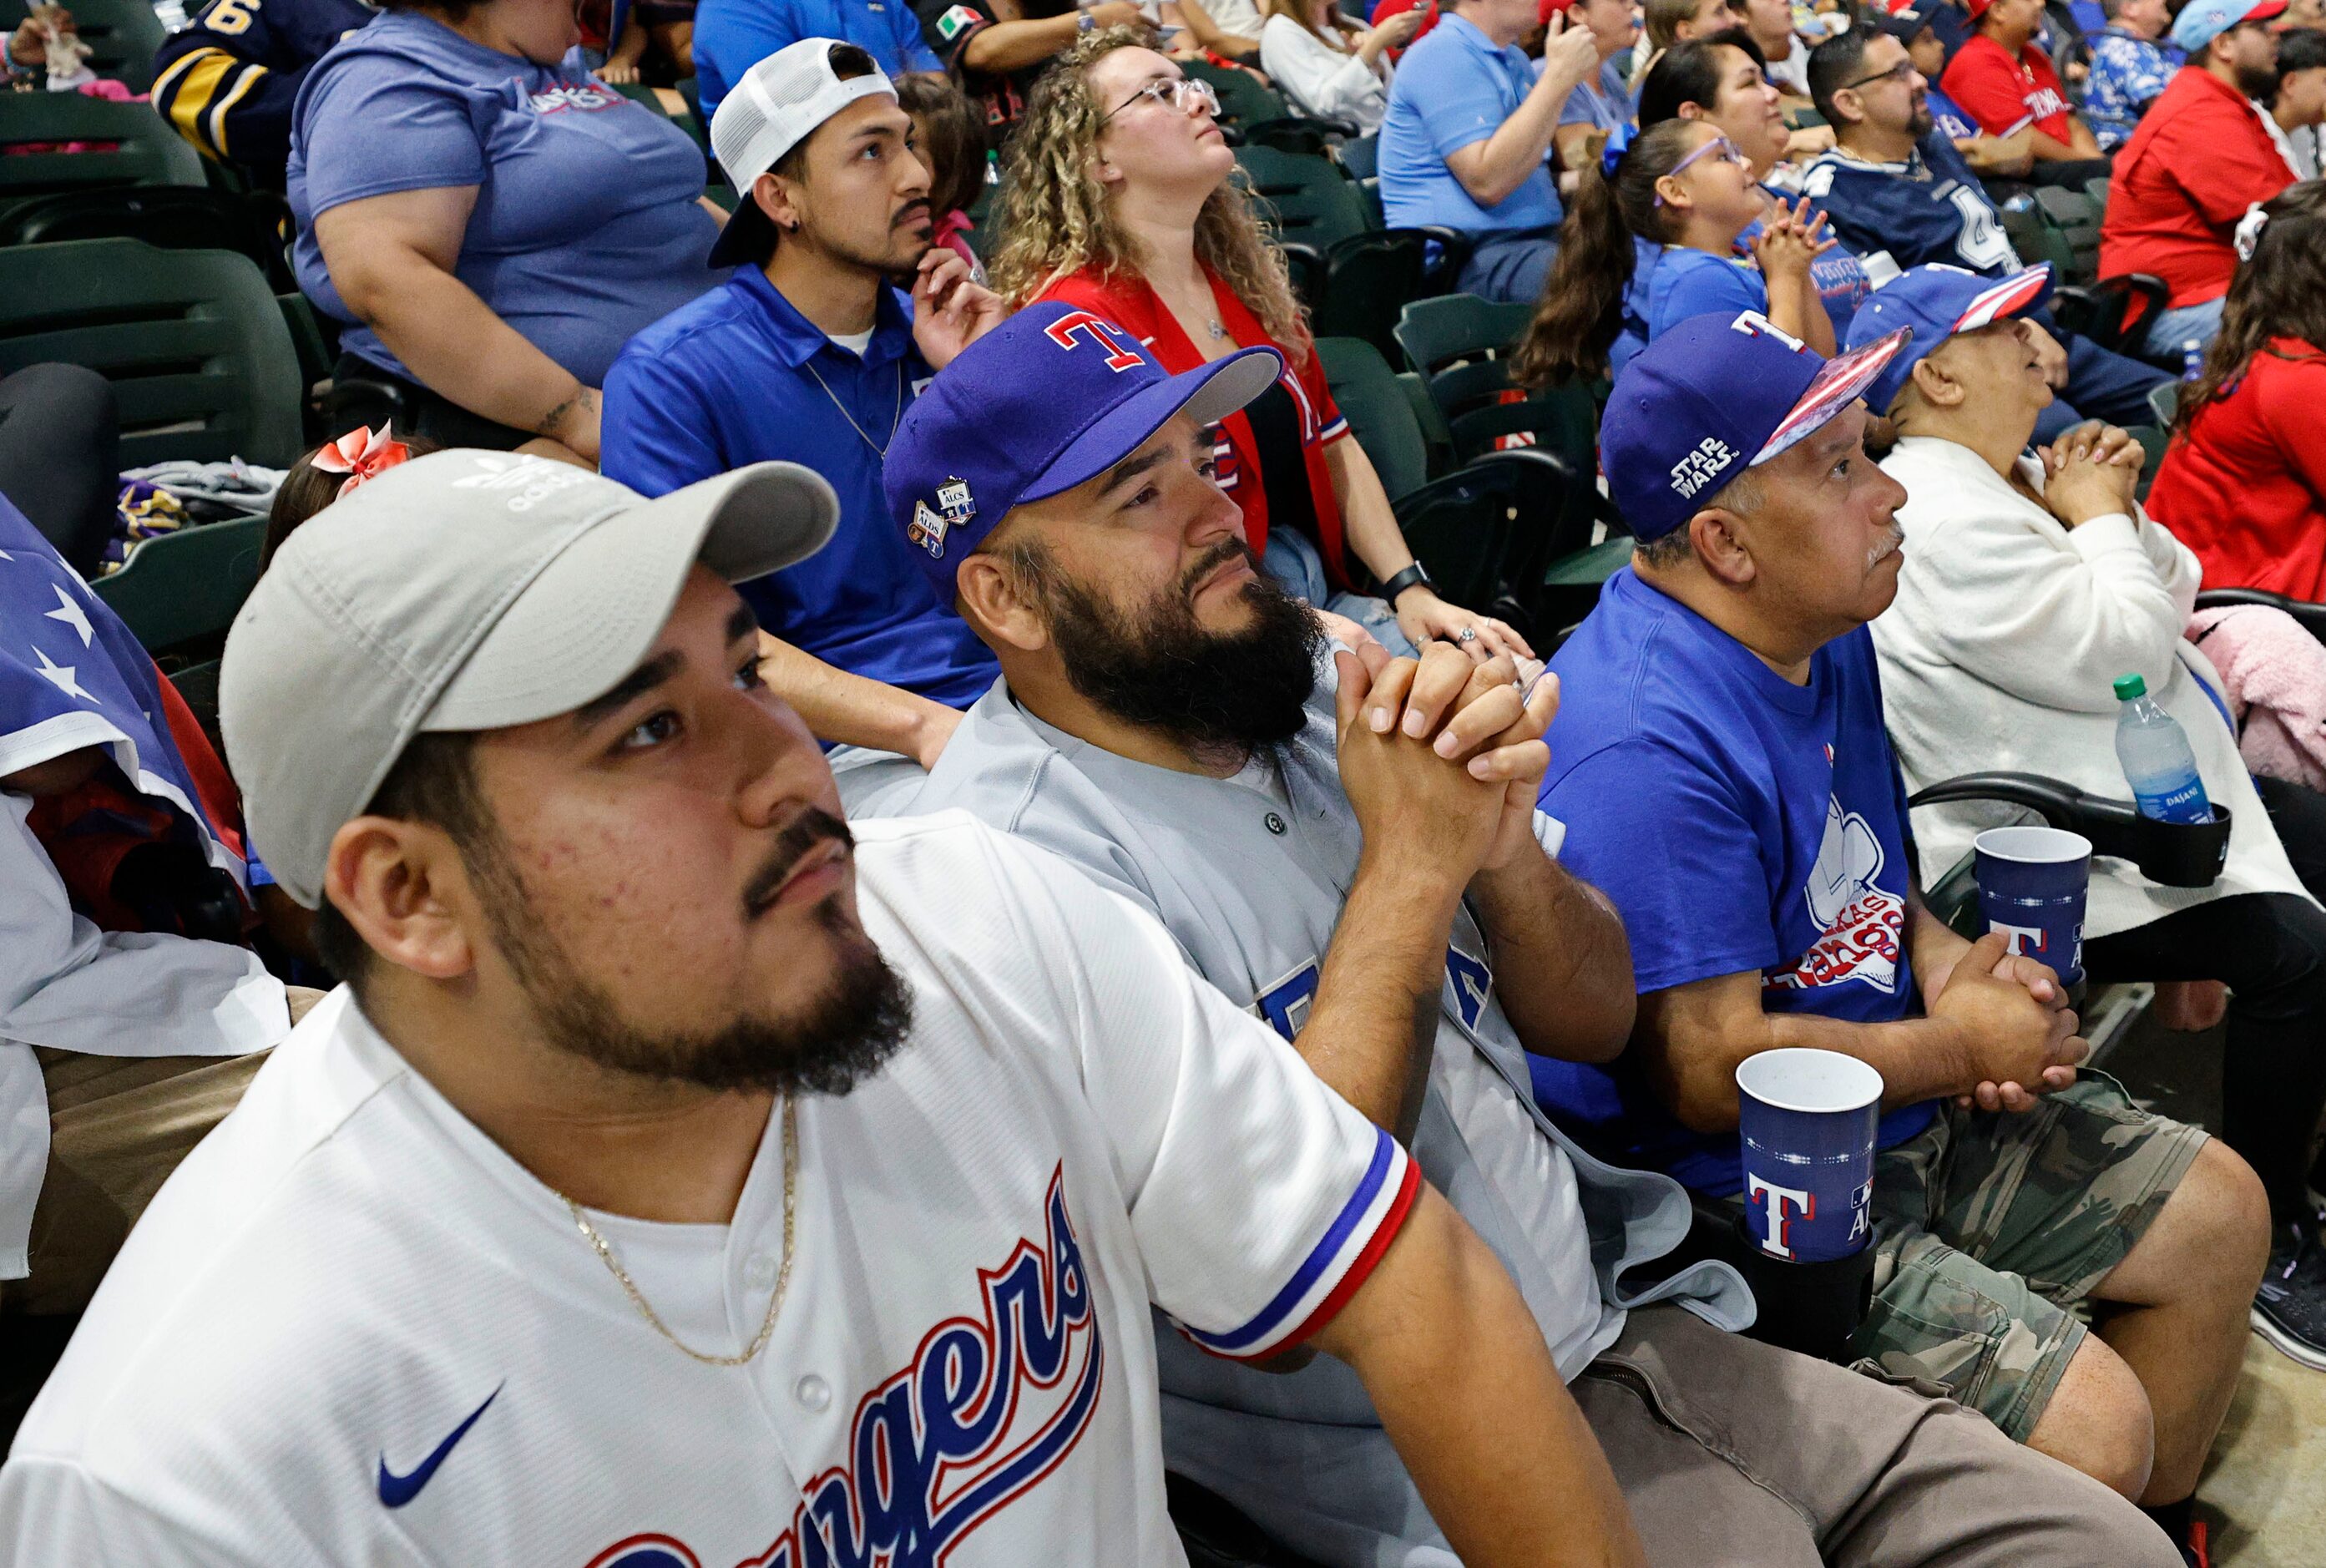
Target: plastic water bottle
{"x": 2192, "y": 359}
{"x": 2157, "y": 763}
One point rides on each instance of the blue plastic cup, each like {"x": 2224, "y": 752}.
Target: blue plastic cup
{"x": 2032, "y": 882}
{"x": 1808, "y": 1120}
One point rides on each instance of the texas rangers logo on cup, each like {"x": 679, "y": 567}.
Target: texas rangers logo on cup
{"x": 1807, "y": 1121}
{"x": 989, "y": 1406}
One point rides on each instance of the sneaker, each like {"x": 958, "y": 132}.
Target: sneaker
{"x": 2289, "y": 1310}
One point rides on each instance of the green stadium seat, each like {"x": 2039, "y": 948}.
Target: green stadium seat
{"x": 1380, "y": 416}
{"x": 146, "y": 151}
{"x": 2077, "y": 219}
{"x": 171, "y": 217}
{"x": 1436, "y": 333}
{"x": 201, "y": 361}
{"x": 179, "y": 592}
{"x": 1311, "y": 202}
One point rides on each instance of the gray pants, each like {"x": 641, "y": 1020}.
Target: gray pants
{"x": 1730, "y": 1451}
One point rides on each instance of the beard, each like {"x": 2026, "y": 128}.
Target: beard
{"x": 842, "y": 1037}
{"x": 1221, "y": 695}
{"x": 1921, "y": 124}
{"x": 896, "y": 255}
{"x": 2257, "y": 82}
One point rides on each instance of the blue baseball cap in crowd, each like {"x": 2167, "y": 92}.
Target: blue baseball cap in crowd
{"x": 1935, "y": 301}
{"x": 2202, "y": 21}
{"x": 1712, "y": 396}
{"x": 1053, "y": 397}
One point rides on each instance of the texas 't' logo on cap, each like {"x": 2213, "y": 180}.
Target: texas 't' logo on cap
{"x": 1122, "y": 350}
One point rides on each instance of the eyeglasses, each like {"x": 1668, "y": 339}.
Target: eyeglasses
{"x": 1173, "y": 92}
{"x": 1898, "y": 73}
{"x": 1728, "y": 151}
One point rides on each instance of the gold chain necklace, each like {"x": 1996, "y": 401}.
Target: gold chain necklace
{"x": 597, "y": 1243}
{"x": 897, "y": 419}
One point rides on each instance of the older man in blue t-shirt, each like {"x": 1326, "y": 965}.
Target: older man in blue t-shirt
{"x": 1464, "y": 143}
{"x": 1722, "y": 766}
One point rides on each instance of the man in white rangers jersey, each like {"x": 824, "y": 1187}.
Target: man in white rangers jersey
{"x": 682, "y": 1183}
{"x": 1163, "y": 724}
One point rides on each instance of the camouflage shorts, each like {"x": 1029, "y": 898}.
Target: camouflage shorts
{"x": 1988, "y": 1228}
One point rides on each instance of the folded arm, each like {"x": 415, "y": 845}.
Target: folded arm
{"x": 392, "y": 259}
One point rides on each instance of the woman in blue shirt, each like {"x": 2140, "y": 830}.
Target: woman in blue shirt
{"x": 1648, "y": 243}
{"x": 491, "y": 221}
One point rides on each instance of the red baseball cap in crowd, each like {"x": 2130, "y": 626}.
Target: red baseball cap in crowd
{"x": 1389, "y": 8}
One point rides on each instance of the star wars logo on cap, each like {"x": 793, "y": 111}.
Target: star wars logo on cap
{"x": 1700, "y": 467}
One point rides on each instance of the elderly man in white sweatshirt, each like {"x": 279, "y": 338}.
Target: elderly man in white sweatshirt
{"x": 2031, "y": 581}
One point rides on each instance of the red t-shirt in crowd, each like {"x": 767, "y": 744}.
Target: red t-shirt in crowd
{"x": 2002, "y": 94}
{"x": 1126, "y": 299}
{"x": 2247, "y": 488}
{"x": 2198, "y": 159}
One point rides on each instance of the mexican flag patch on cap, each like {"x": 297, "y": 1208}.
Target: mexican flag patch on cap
{"x": 955, "y": 21}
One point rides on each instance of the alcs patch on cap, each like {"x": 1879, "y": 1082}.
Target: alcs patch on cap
{"x": 954, "y": 507}
{"x": 956, "y": 21}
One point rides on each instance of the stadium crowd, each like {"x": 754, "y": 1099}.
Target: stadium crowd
{"x": 847, "y": 884}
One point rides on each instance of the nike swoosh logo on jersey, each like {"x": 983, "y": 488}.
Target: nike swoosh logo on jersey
{"x": 396, "y": 1490}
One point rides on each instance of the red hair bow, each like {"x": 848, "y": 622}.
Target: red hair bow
{"x": 361, "y": 454}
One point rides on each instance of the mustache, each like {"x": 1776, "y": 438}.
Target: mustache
{"x": 1211, "y": 560}
{"x": 1890, "y": 546}
{"x": 806, "y": 833}
{"x": 916, "y": 211}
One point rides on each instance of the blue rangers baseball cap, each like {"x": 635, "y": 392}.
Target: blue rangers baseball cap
{"x": 1934, "y": 301}
{"x": 2202, "y": 21}
{"x": 1053, "y": 397}
{"x": 1712, "y": 396}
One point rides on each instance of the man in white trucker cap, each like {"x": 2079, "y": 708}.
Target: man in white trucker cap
{"x": 683, "y": 1180}
{"x": 812, "y": 354}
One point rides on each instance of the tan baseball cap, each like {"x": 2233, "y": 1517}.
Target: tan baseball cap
{"x": 467, "y": 591}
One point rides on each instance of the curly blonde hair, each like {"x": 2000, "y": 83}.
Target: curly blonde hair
{"x": 1055, "y": 219}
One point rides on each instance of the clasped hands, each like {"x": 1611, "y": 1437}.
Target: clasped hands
{"x": 2017, "y": 1031}
{"x": 1441, "y": 757}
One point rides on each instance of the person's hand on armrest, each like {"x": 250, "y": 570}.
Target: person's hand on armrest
{"x": 1466, "y": 1389}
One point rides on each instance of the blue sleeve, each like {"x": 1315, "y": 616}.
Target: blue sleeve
{"x": 739, "y": 37}
{"x": 912, "y": 45}
{"x": 654, "y": 435}
{"x": 1459, "y": 106}
{"x": 1664, "y": 840}
{"x": 1704, "y": 288}
{"x": 371, "y": 127}
{"x": 1577, "y": 109}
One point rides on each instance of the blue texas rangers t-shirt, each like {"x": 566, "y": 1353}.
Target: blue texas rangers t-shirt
{"x": 1739, "y": 822}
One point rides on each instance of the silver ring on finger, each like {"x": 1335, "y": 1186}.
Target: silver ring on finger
{"x": 1468, "y": 634}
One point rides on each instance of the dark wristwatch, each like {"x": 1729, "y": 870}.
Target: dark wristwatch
{"x": 1413, "y": 576}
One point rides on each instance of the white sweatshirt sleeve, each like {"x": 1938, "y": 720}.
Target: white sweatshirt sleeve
{"x": 1320, "y": 79}
{"x": 2049, "y": 614}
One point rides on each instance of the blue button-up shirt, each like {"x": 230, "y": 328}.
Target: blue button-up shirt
{"x": 1453, "y": 89}
{"x": 732, "y": 378}
{"x": 732, "y": 36}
